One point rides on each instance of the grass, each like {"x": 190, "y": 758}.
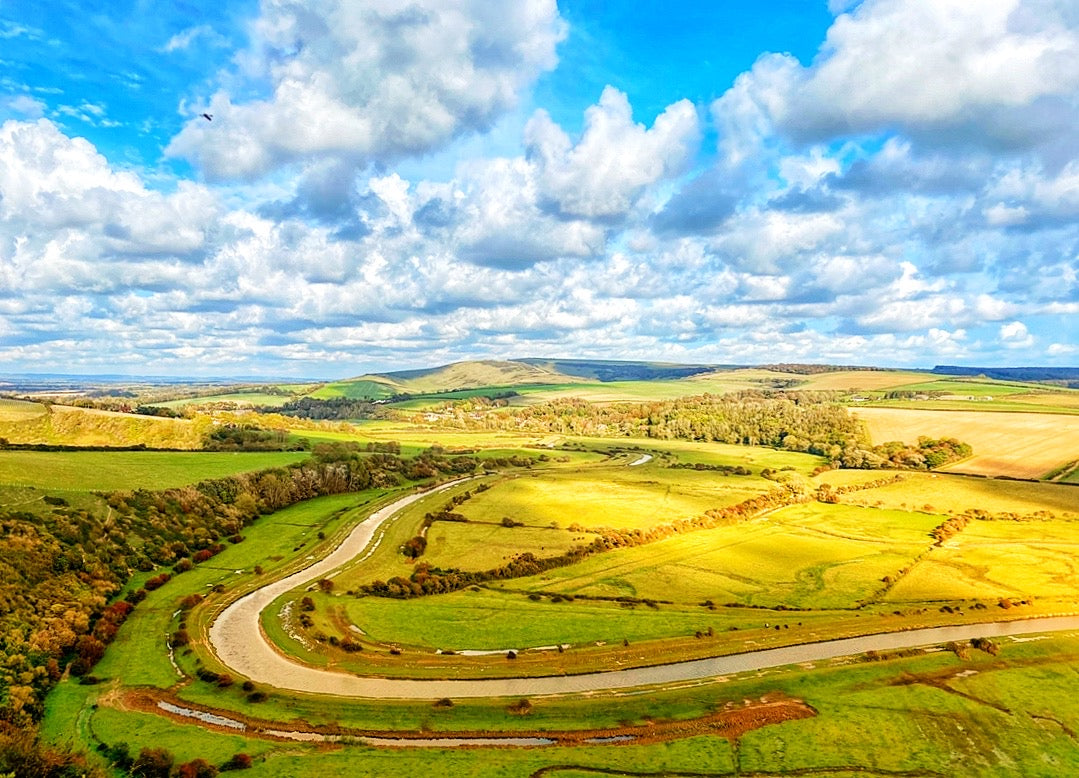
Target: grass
{"x": 971, "y": 387}
{"x": 900, "y": 715}
{"x": 19, "y": 410}
{"x": 239, "y": 398}
{"x": 621, "y": 497}
{"x": 109, "y": 470}
{"x": 386, "y": 561}
{"x": 998, "y": 559}
{"x": 485, "y": 546}
{"x": 813, "y": 556}
{"x": 63, "y": 425}
{"x": 1023, "y": 445}
{"x": 138, "y": 653}
{"x": 355, "y": 390}
{"x": 946, "y": 493}
{"x": 489, "y": 619}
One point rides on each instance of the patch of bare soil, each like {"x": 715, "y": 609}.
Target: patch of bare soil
{"x": 731, "y": 721}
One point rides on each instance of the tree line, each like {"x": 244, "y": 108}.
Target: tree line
{"x": 813, "y": 422}
{"x": 62, "y": 565}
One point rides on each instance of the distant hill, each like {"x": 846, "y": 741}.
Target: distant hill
{"x": 615, "y": 370}
{"x": 446, "y": 378}
{"x": 1013, "y": 373}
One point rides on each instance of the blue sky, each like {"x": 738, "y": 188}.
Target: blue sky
{"x": 405, "y": 183}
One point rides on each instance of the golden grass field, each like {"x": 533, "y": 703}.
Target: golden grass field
{"x": 866, "y": 380}
{"x": 1022, "y": 445}
{"x": 68, "y": 426}
{"x": 19, "y": 410}
{"x": 948, "y": 494}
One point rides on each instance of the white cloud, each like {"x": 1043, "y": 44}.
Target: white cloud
{"x": 1015, "y": 335}
{"x": 182, "y": 40}
{"x": 1001, "y": 215}
{"x": 371, "y": 81}
{"x": 602, "y": 175}
{"x": 54, "y": 182}
{"x": 950, "y": 71}
{"x": 27, "y": 106}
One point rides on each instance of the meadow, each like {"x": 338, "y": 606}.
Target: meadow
{"x": 237, "y": 398}
{"x": 110, "y": 470}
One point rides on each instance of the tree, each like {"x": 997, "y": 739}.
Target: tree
{"x": 152, "y": 763}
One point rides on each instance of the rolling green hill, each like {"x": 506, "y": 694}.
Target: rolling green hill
{"x": 446, "y": 378}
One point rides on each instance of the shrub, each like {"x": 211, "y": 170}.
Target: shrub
{"x": 152, "y": 763}
{"x": 239, "y": 761}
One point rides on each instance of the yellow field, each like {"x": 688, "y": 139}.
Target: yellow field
{"x": 945, "y": 493}
{"x": 1059, "y": 399}
{"x": 997, "y": 558}
{"x": 68, "y": 426}
{"x": 864, "y": 379}
{"x": 1023, "y": 445}
{"x": 19, "y": 410}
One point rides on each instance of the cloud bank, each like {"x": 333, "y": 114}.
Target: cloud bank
{"x": 908, "y": 197}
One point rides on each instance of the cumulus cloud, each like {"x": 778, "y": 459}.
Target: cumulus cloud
{"x": 615, "y": 159}
{"x": 368, "y": 81}
{"x": 999, "y": 74}
{"x": 835, "y": 224}
{"x": 1015, "y": 335}
{"x": 51, "y": 181}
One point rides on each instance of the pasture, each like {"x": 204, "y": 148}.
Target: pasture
{"x": 621, "y": 497}
{"x": 1022, "y": 445}
{"x": 993, "y": 559}
{"x": 950, "y": 493}
{"x": 236, "y": 398}
{"x": 805, "y": 572}
{"x": 109, "y": 470}
{"x": 813, "y": 557}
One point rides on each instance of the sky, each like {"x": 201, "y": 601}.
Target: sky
{"x": 391, "y": 184}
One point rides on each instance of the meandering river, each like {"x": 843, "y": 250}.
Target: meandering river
{"x": 239, "y": 642}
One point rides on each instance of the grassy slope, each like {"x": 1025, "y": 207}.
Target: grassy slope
{"x": 81, "y": 427}
{"x": 108, "y": 470}
{"x": 448, "y": 378}
{"x": 19, "y": 410}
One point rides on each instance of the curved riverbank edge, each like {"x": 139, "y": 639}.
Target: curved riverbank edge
{"x": 238, "y": 640}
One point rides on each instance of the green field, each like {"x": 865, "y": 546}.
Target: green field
{"x": 239, "y": 398}
{"x": 812, "y": 557}
{"x": 274, "y": 542}
{"x": 355, "y": 390}
{"x": 932, "y": 714}
{"x": 621, "y": 497}
{"x": 998, "y": 559}
{"x": 109, "y": 470}
{"x": 944, "y": 493}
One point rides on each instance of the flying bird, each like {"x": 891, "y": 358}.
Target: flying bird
{"x": 208, "y": 117}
